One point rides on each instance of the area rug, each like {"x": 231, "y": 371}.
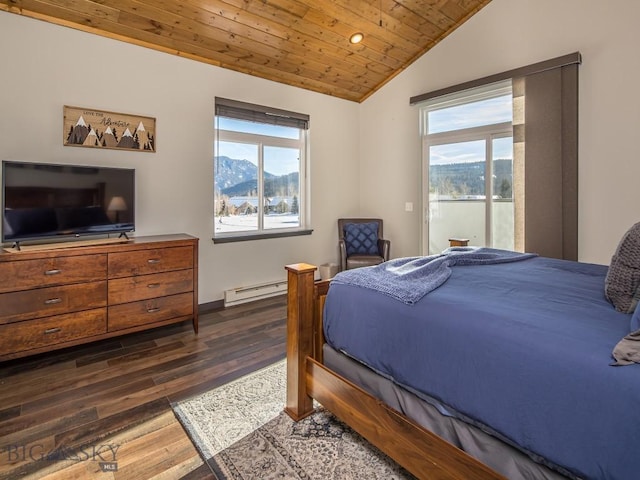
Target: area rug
{"x": 242, "y": 433}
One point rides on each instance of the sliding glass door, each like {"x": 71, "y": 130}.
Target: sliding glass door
{"x": 468, "y": 170}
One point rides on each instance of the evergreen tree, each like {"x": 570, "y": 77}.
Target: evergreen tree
{"x": 294, "y": 205}
{"x": 505, "y": 188}
{"x": 224, "y": 210}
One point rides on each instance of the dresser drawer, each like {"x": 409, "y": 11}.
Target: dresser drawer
{"x": 44, "y": 302}
{"x": 150, "y": 311}
{"x": 43, "y": 332}
{"x": 25, "y": 274}
{"x": 131, "y": 289}
{"x": 143, "y": 262}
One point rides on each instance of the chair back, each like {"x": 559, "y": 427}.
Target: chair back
{"x": 344, "y": 221}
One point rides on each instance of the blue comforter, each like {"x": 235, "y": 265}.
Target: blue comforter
{"x": 520, "y": 348}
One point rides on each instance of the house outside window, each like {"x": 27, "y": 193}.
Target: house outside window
{"x": 468, "y": 168}
{"x": 260, "y": 172}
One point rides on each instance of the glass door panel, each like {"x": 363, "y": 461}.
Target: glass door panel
{"x": 502, "y": 204}
{"x": 457, "y": 194}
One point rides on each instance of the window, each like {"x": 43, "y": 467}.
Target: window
{"x": 542, "y": 198}
{"x": 468, "y": 159}
{"x": 260, "y": 159}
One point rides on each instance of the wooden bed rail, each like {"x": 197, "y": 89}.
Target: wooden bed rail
{"x": 421, "y": 452}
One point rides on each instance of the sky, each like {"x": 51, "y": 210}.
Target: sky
{"x": 466, "y": 152}
{"x": 485, "y": 112}
{"x": 277, "y": 160}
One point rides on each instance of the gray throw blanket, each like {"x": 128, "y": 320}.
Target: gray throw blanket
{"x": 627, "y": 351}
{"x": 411, "y": 278}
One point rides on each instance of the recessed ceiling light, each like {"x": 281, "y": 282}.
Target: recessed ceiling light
{"x": 356, "y": 37}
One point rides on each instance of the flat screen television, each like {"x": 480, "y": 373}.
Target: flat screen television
{"x": 43, "y": 201}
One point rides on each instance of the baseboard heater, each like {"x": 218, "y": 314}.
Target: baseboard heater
{"x": 239, "y": 295}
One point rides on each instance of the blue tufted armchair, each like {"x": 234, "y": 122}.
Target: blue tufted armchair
{"x": 361, "y": 243}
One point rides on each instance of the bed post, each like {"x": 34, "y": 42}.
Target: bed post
{"x": 300, "y": 315}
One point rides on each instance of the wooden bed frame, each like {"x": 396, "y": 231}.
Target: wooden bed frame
{"x": 418, "y": 450}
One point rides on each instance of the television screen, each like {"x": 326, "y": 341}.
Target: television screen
{"x": 41, "y": 200}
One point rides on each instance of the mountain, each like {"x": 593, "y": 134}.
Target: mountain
{"x": 78, "y": 133}
{"x": 127, "y": 140}
{"x": 239, "y": 178}
{"x": 145, "y": 140}
{"x": 242, "y": 189}
{"x": 284, "y": 185}
{"x": 231, "y": 172}
{"x": 109, "y": 139}
{"x": 468, "y": 178}
{"x": 92, "y": 139}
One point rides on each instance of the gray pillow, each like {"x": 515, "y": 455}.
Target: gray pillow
{"x": 621, "y": 285}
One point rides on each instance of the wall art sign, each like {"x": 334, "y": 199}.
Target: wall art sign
{"x": 84, "y": 127}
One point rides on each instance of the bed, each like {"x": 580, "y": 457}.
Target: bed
{"x": 501, "y": 371}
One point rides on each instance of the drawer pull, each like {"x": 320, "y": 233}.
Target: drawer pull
{"x": 53, "y": 272}
{"x": 153, "y": 310}
{"x": 52, "y": 301}
{"x": 153, "y": 285}
{"x": 153, "y": 260}
{"x": 49, "y": 331}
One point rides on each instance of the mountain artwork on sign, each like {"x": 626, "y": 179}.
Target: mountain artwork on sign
{"x": 100, "y": 129}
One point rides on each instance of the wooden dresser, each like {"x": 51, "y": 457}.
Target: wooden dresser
{"x": 52, "y": 299}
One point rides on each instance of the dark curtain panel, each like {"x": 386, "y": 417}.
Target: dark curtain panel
{"x": 549, "y": 147}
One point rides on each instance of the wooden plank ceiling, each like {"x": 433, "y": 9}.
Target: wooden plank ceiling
{"x": 303, "y": 43}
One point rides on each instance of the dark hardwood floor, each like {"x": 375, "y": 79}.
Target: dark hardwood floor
{"x": 76, "y": 412}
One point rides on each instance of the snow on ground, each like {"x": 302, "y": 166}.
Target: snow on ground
{"x": 242, "y": 223}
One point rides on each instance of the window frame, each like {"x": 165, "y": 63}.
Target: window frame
{"x": 486, "y": 133}
{"x": 262, "y": 141}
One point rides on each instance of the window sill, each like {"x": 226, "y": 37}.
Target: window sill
{"x": 261, "y": 236}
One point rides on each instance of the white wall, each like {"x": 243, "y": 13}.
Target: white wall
{"x": 508, "y": 34}
{"x": 365, "y": 159}
{"x": 44, "y": 67}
